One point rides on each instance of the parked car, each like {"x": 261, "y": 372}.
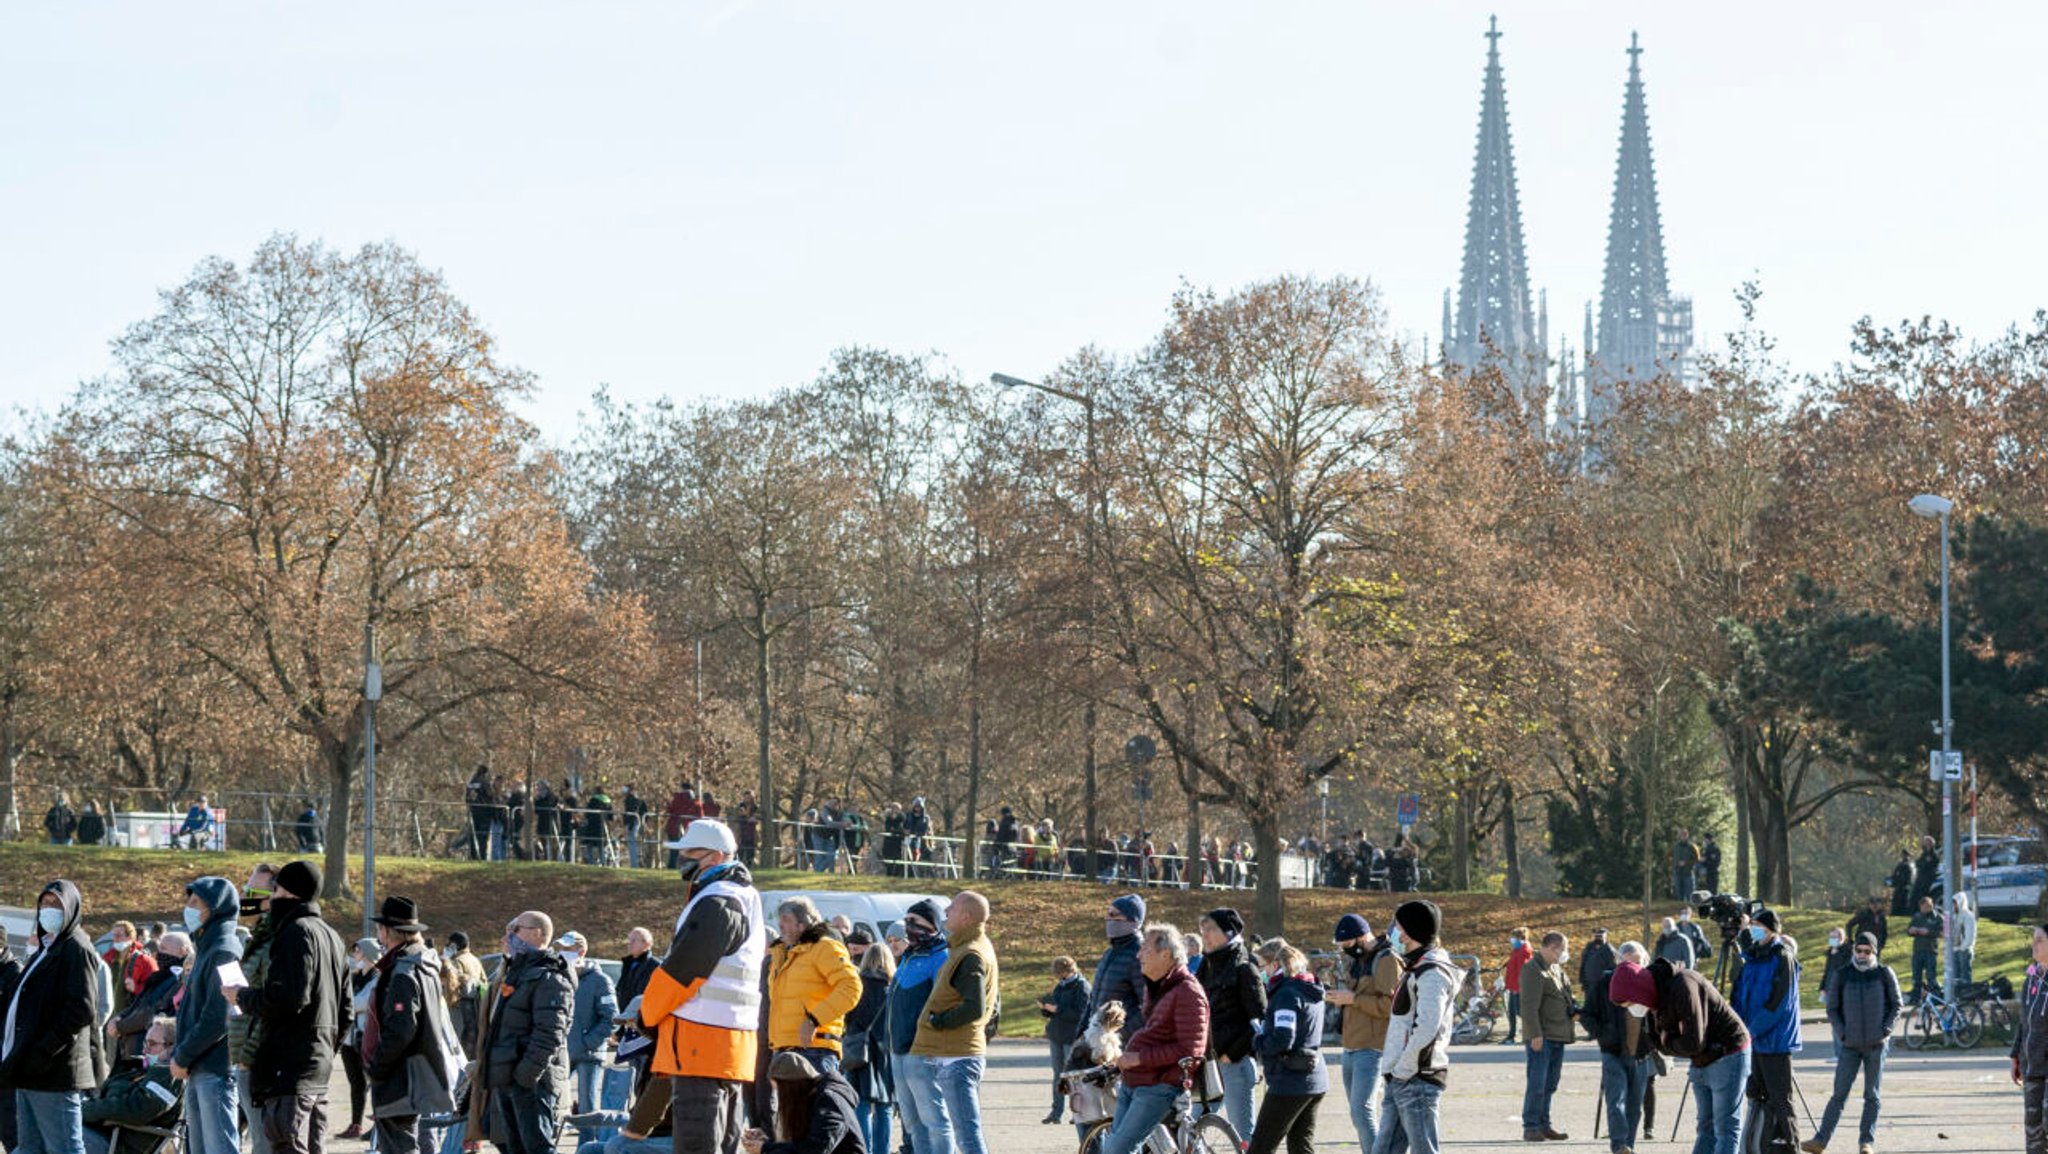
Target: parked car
{"x": 871, "y": 912}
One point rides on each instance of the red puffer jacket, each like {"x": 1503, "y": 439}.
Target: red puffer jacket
{"x": 1176, "y": 1027}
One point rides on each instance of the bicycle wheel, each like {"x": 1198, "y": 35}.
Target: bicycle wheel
{"x": 1210, "y": 1135}
{"x": 1998, "y": 1020}
{"x": 1920, "y": 1028}
{"x": 1092, "y": 1144}
{"x": 1966, "y": 1026}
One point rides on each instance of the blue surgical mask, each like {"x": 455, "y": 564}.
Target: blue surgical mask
{"x": 1756, "y": 935}
{"x": 518, "y": 947}
{"x": 194, "y": 919}
{"x": 51, "y": 920}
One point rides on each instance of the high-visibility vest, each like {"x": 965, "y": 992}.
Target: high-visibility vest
{"x": 731, "y": 997}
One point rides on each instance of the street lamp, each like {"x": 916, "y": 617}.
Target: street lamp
{"x": 373, "y": 692}
{"x": 1094, "y": 496}
{"x": 1939, "y": 508}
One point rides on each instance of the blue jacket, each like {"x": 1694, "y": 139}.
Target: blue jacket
{"x": 913, "y": 984}
{"x": 596, "y": 1004}
{"x": 1290, "y": 1037}
{"x": 1118, "y": 979}
{"x": 1767, "y": 997}
{"x": 203, "y": 1013}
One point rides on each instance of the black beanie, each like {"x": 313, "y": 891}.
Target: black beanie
{"x": 929, "y": 911}
{"x": 1768, "y": 919}
{"x": 302, "y": 878}
{"x": 1419, "y": 921}
{"x": 1226, "y": 920}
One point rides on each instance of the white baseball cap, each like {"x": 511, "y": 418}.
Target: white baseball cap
{"x": 706, "y": 833}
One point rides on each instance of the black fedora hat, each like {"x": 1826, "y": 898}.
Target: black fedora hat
{"x": 402, "y": 915}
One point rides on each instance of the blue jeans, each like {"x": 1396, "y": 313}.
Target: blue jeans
{"x": 1717, "y": 1095}
{"x": 1361, "y": 1092}
{"x": 1960, "y": 963}
{"x": 1410, "y": 1119}
{"x": 959, "y": 1083}
{"x": 1239, "y": 1078}
{"x": 1137, "y": 1111}
{"x": 1847, "y": 1062}
{"x": 874, "y": 1126}
{"x": 1543, "y": 1069}
{"x": 210, "y": 1115}
{"x": 924, "y": 1109}
{"x": 620, "y": 1144}
{"x": 590, "y": 1095}
{"x": 259, "y": 1138}
{"x": 1622, "y": 1082}
{"x": 1923, "y": 968}
{"x": 50, "y": 1121}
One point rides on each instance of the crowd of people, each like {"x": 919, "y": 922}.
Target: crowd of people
{"x": 780, "y": 1031}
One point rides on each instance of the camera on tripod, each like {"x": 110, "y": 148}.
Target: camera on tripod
{"x": 1725, "y": 910}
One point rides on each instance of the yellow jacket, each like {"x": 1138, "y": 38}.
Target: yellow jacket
{"x": 812, "y": 980}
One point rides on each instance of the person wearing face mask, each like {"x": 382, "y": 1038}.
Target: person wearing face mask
{"x": 1117, "y": 975}
{"x": 131, "y": 965}
{"x": 1701, "y": 951}
{"x": 706, "y": 997}
{"x": 1625, "y": 1049}
{"x": 154, "y": 999}
{"x": 1418, "y": 1058}
{"x": 1863, "y": 1007}
{"x": 1519, "y": 952}
{"x": 924, "y": 955}
{"x": 522, "y": 1066}
{"x": 1290, "y": 1044}
{"x": 590, "y": 1032}
{"x": 1767, "y": 999}
{"x": 1237, "y": 999}
{"x": 140, "y": 1092}
{"x": 245, "y": 1033}
{"x": 462, "y": 985}
{"x": 299, "y": 1009}
{"x": 408, "y": 1021}
{"x": 1547, "y": 1023}
{"x": 1372, "y": 972}
{"x": 1689, "y": 1019}
{"x": 48, "y": 1035}
{"x": 362, "y": 991}
{"x": 1837, "y": 959}
{"x": 201, "y": 1057}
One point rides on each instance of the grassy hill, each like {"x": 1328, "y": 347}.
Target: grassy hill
{"x": 1033, "y": 921}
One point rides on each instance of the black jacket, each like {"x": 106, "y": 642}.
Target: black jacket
{"x": 135, "y": 1095}
{"x": 1237, "y": 998}
{"x": 1863, "y": 1006}
{"x": 1118, "y": 979}
{"x": 410, "y": 1018}
{"x": 1692, "y": 1020}
{"x": 527, "y": 1038}
{"x": 153, "y": 999}
{"x": 1070, "y": 1011}
{"x": 834, "y": 1129}
{"x": 866, "y": 1056}
{"x": 633, "y": 975}
{"x": 2030, "y": 1039}
{"x": 1869, "y": 921}
{"x": 303, "y": 1003}
{"x": 92, "y": 828}
{"x": 55, "y": 1008}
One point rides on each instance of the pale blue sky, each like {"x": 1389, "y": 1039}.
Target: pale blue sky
{"x": 705, "y": 199}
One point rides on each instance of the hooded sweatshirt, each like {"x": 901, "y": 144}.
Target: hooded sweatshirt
{"x": 48, "y": 1035}
{"x": 1290, "y": 1039}
{"x": 202, "y": 1012}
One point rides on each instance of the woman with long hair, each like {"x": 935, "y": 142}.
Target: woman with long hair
{"x": 1290, "y": 1043}
{"x": 866, "y": 1058}
{"x": 815, "y": 1112}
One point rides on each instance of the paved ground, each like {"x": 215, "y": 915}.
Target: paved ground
{"x": 1935, "y": 1102}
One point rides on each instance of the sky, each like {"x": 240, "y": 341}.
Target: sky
{"x": 704, "y": 200}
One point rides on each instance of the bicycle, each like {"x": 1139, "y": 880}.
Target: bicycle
{"x": 1991, "y": 997}
{"x": 1482, "y": 1010}
{"x": 1181, "y": 1132}
{"x": 1957, "y": 1024}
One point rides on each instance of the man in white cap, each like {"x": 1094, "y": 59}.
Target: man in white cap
{"x": 704, "y": 1003}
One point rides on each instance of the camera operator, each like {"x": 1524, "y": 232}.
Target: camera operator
{"x": 1689, "y": 1020}
{"x": 1767, "y": 999}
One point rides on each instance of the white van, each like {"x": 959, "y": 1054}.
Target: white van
{"x": 871, "y": 912}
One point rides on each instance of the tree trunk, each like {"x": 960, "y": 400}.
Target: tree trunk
{"x": 1461, "y": 842}
{"x": 1191, "y": 864}
{"x": 10, "y": 807}
{"x": 1741, "y": 771}
{"x": 340, "y": 762}
{"x": 1088, "y": 801}
{"x": 1510, "y": 844}
{"x": 1268, "y": 907}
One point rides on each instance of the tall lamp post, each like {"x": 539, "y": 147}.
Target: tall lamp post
{"x": 1939, "y": 508}
{"x": 373, "y": 692}
{"x": 1087, "y": 403}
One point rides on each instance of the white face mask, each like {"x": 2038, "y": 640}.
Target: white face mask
{"x": 1863, "y": 963}
{"x": 1834, "y": 940}
{"x": 51, "y": 920}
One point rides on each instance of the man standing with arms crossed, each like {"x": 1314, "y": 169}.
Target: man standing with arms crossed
{"x": 704, "y": 1001}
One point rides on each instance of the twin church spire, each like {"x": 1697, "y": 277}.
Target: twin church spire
{"x": 1643, "y": 331}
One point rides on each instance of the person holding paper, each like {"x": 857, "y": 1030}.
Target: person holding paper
{"x": 201, "y": 1056}
{"x": 299, "y": 1008}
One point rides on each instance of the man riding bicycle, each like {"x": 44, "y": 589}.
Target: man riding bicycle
{"x": 1176, "y": 1027}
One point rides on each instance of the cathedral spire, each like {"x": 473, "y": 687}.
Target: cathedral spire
{"x": 1494, "y": 320}
{"x": 1643, "y": 331}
